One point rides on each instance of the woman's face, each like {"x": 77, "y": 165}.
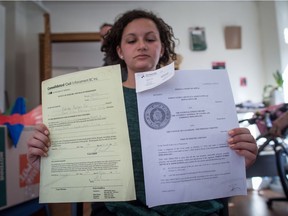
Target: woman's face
{"x": 140, "y": 45}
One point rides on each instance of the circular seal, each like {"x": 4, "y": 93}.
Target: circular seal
{"x": 157, "y": 115}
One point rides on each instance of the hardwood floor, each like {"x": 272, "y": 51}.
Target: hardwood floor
{"x": 254, "y": 204}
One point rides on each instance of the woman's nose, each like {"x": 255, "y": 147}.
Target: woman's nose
{"x": 142, "y": 45}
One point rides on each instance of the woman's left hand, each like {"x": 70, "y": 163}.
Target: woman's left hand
{"x": 242, "y": 141}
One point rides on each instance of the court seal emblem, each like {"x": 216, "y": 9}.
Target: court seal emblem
{"x": 157, "y": 115}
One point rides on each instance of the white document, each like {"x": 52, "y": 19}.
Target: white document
{"x": 90, "y": 155}
{"x": 184, "y": 125}
{"x": 151, "y": 79}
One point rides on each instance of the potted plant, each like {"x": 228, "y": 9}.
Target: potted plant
{"x": 274, "y": 94}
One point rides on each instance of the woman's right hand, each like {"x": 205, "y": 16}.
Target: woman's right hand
{"x": 38, "y": 145}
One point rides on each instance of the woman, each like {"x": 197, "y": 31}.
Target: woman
{"x": 141, "y": 41}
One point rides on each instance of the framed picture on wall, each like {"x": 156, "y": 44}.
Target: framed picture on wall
{"x": 197, "y": 39}
{"x": 233, "y": 37}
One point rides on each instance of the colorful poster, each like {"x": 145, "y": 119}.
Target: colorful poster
{"x": 28, "y": 175}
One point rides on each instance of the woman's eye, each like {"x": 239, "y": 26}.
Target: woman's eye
{"x": 150, "y": 39}
{"x": 131, "y": 41}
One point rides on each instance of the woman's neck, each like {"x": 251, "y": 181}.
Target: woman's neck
{"x": 129, "y": 84}
{"x": 130, "y": 81}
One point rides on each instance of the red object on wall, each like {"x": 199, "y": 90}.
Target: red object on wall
{"x": 218, "y": 65}
{"x": 243, "y": 81}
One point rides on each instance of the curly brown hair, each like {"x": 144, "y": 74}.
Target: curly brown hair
{"x": 113, "y": 39}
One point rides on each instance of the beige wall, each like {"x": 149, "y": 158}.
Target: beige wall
{"x": 23, "y": 23}
{"x": 212, "y": 15}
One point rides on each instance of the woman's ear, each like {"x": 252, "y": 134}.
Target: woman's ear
{"x": 119, "y": 52}
{"x": 162, "y": 50}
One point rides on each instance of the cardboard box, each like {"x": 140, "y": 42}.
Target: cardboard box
{"x": 19, "y": 181}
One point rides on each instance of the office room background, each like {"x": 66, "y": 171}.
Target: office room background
{"x": 263, "y": 49}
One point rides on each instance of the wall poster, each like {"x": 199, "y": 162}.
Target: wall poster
{"x": 197, "y": 39}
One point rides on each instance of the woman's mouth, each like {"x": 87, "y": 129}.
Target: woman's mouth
{"x": 141, "y": 56}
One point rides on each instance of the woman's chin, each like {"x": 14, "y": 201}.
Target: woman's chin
{"x": 145, "y": 69}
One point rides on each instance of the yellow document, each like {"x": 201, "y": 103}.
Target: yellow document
{"x": 90, "y": 155}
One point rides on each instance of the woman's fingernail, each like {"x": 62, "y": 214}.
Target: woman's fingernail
{"x": 46, "y": 132}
